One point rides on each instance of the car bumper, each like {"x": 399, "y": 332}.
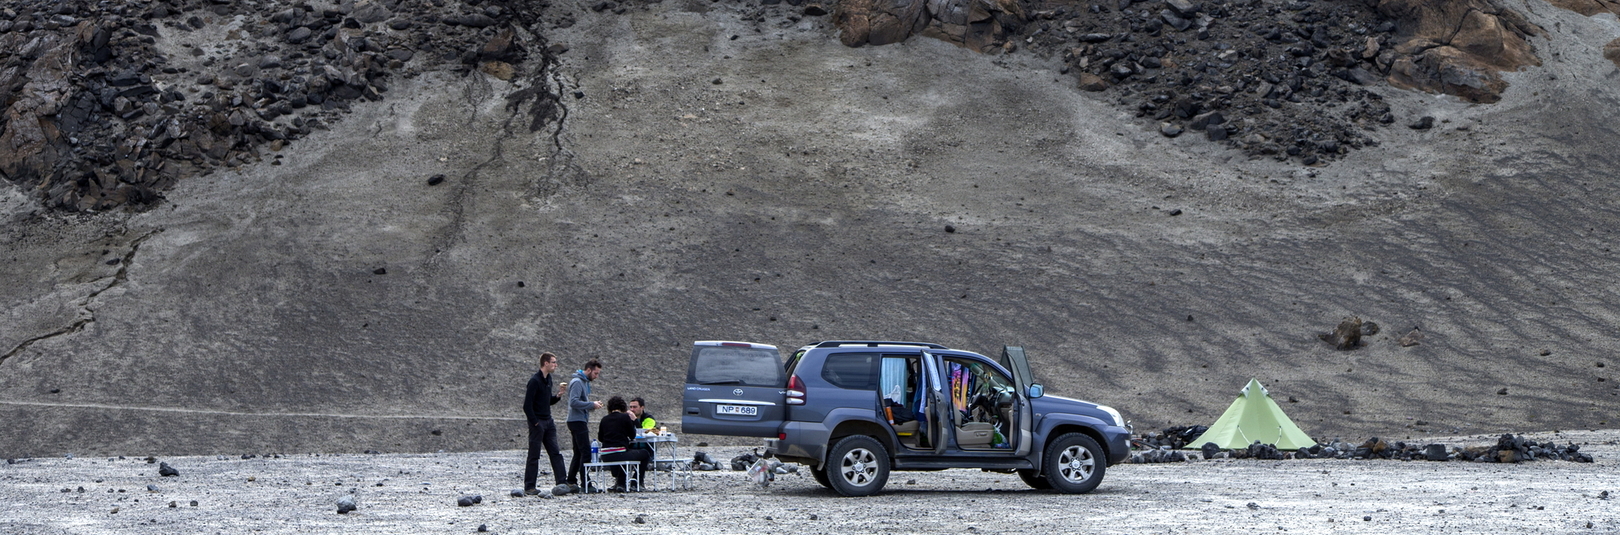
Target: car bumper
{"x": 1118, "y": 443}
{"x": 805, "y": 443}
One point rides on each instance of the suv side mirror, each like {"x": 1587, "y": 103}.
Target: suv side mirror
{"x": 1036, "y": 390}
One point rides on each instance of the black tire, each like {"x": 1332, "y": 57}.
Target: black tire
{"x": 821, "y": 477}
{"x": 1074, "y": 463}
{"x": 1034, "y": 479}
{"x": 857, "y": 466}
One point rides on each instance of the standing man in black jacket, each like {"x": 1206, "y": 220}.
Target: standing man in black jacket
{"x": 542, "y": 429}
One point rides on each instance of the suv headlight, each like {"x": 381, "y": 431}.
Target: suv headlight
{"x": 1119, "y": 421}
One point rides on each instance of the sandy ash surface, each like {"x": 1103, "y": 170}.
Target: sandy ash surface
{"x": 418, "y": 492}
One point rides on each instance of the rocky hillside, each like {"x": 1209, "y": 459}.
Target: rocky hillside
{"x": 465, "y": 185}
{"x": 111, "y": 104}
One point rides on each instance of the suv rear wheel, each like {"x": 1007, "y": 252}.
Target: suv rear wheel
{"x": 858, "y": 466}
{"x": 1034, "y": 479}
{"x": 1074, "y": 463}
{"x": 821, "y": 477}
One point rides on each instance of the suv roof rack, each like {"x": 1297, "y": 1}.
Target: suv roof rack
{"x": 875, "y": 343}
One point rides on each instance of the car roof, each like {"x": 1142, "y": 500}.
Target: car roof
{"x": 712, "y": 343}
{"x": 874, "y": 343}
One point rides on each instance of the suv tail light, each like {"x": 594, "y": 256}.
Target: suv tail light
{"x": 795, "y": 392}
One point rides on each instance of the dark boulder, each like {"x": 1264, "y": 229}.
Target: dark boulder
{"x": 1346, "y": 336}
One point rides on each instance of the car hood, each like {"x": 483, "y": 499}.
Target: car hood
{"x": 1059, "y": 404}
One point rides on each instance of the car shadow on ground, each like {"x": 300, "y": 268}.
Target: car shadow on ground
{"x": 891, "y": 491}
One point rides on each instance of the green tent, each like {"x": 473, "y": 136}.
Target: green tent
{"x": 1254, "y": 416}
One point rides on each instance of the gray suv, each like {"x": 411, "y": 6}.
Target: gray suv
{"x": 855, "y": 410}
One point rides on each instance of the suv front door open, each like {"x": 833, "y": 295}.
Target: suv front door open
{"x": 1012, "y": 358}
{"x": 987, "y": 413}
{"x": 734, "y": 389}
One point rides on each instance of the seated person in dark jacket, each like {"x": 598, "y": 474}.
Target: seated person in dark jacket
{"x": 616, "y": 432}
{"x": 641, "y": 421}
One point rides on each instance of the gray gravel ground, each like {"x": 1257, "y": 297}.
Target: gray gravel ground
{"x": 418, "y": 492}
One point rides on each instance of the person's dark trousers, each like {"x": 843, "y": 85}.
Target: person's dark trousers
{"x": 580, "y": 432}
{"x": 645, "y": 456}
{"x": 543, "y": 435}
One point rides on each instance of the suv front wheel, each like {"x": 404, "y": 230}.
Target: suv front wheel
{"x": 857, "y": 466}
{"x": 1074, "y": 463}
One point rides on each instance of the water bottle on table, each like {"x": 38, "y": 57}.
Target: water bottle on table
{"x": 596, "y": 451}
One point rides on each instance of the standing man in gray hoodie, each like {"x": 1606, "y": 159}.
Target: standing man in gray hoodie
{"x": 579, "y": 417}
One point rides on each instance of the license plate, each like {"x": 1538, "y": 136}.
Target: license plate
{"x": 737, "y": 410}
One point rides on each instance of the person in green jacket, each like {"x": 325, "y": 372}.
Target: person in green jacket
{"x": 638, "y": 414}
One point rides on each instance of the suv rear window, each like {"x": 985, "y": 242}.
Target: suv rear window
{"x": 721, "y": 365}
{"x": 857, "y": 371}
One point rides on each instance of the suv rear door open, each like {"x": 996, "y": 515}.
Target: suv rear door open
{"x": 735, "y": 389}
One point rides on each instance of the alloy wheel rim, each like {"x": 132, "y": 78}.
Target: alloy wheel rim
{"x": 1076, "y": 464}
{"x": 858, "y": 467}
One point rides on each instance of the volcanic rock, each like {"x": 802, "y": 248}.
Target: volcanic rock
{"x": 982, "y": 25}
{"x": 1412, "y": 338}
{"x": 1170, "y": 17}
{"x": 1092, "y": 82}
{"x": 1346, "y": 336}
{"x": 1204, "y": 120}
{"x": 1357, "y": 75}
{"x": 1457, "y": 47}
{"x": 476, "y": 20}
{"x": 1589, "y": 7}
{"x": 346, "y": 504}
{"x": 167, "y": 471}
{"x": 878, "y": 22}
{"x": 368, "y": 12}
{"x": 1184, "y": 8}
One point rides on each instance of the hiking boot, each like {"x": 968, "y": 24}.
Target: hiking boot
{"x": 531, "y": 491}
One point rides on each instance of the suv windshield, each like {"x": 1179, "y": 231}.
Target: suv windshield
{"x": 744, "y": 366}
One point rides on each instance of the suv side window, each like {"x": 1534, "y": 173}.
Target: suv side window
{"x": 856, "y": 371}
{"x": 793, "y": 361}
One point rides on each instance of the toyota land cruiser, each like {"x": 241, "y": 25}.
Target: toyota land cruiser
{"x": 855, "y": 410}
